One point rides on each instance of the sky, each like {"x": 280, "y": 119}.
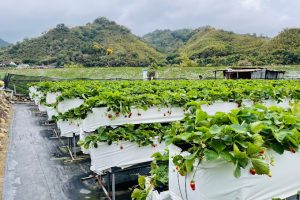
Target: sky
{"x": 21, "y": 19}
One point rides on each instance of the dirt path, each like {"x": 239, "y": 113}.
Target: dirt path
{"x": 34, "y": 168}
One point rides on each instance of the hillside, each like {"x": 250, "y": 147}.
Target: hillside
{"x": 168, "y": 41}
{"x": 100, "y": 43}
{"x": 219, "y": 47}
{"x": 283, "y": 49}
{"x": 3, "y": 43}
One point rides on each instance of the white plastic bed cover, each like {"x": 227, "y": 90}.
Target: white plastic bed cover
{"x": 51, "y": 97}
{"x": 121, "y": 154}
{"x": 32, "y": 91}
{"x": 214, "y": 180}
{"x": 69, "y": 104}
{"x": 51, "y": 112}
{"x": 41, "y": 107}
{"x": 99, "y": 116}
{"x": 69, "y": 127}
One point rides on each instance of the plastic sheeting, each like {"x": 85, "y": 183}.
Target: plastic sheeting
{"x": 42, "y": 108}
{"x": 155, "y": 195}
{"x": 68, "y": 128}
{"x": 51, "y": 112}
{"x": 82, "y": 136}
{"x": 121, "y": 154}
{"x": 51, "y": 97}
{"x": 99, "y": 117}
{"x": 69, "y": 104}
{"x": 215, "y": 180}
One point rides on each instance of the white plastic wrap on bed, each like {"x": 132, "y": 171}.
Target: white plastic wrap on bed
{"x": 99, "y": 117}
{"x": 69, "y": 104}
{"x": 42, "y": 108}
{"x": 32, "y": 91}
{"x": 82, "y": 136}
{"x": 68, "y": 128}
{"x": 51, "y": 97}
{"x": 51, "y": 112}
{"x": 155, "y": 195}
{"x": 215, "y": 180}
{"x": 122, "y": 154}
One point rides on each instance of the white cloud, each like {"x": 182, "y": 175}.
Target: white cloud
{"x": 28, "y": 18}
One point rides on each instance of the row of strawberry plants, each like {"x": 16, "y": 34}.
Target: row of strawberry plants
{"x": 141, "y": 134}
{"x": 242, "y": 137}
{"x": 121, "y": 97}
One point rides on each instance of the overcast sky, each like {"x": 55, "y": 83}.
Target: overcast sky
{"x": 21, "y": 19}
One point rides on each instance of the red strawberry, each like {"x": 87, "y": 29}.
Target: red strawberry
{"x": 252, "y": 171}
{"x": 139, "y": 114}
{"x": 193, "y": 185}
{"x": 129, "y": 114}
{"x": 262, "y": 152}
{"x": 292, "y": 150}
{"x": 109, "y": 116}
{"x": 117, "y": 114}
{"x": 177, "y": 168}
{"x": 121, "y": 147}
{"x": 154, "y": 145}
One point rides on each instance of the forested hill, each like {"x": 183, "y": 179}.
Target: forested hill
{"x": 101, "y": 43}
{"x": 105, "y": 43}
{"x": 3, "y": 43}
{"x": 210, "y": 46}
{"x": 168, "y": 41}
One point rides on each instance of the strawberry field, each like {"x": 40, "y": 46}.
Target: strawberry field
{"x": 204, "y": 138}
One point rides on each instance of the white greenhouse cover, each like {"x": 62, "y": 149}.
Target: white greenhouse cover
{"x": 51, "y": 112}
{"x": 215, "y": 180}
{"x": 51, "y": 97}
{"x": 122, "y": 154}
{"x": 69, "y": 104}
{"x": 68, "y": 128}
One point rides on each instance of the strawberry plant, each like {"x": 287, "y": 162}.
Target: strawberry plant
{"x": 241, "y": 137}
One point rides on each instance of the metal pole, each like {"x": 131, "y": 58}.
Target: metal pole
{"x": 74, "y": 145}
{"x": 113, "y": 185}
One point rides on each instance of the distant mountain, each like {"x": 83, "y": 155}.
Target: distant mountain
{"x": 168, "y": 41}
{"x": 219, "y": 47}
{"x": 283, "y": 49}
{"x": 100, "y": 43}
{"x": 105, "y": 43}
{"x": 3, "y": 43}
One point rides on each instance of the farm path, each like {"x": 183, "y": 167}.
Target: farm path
{"x": 33, "y": 168}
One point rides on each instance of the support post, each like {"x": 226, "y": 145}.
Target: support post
{"x": 113, "y": 185}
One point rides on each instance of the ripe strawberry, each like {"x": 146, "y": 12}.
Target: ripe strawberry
{"x": 129, "y": 114}
{"x": 252, "y": 171}
{"x": 164, "y": 114}
{"x": 292, "y": 150}
{"x": 193, "y": 185}
{"x": 139, "y": 114}
{"x": 117, "y": 114}
{"x": 154, "y": 145}
{"x": 262, "y": 152}
{"x": 177, "y": 168}
{"x": 121, "y": 147}
{"x": 109, "y": 116}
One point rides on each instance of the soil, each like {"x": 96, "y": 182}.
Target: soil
{"x": 5, "y": 114}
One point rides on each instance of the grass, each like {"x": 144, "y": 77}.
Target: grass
{"x": 131, "y": 72}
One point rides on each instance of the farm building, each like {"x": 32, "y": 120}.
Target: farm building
{"x": 251, "y": 73}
